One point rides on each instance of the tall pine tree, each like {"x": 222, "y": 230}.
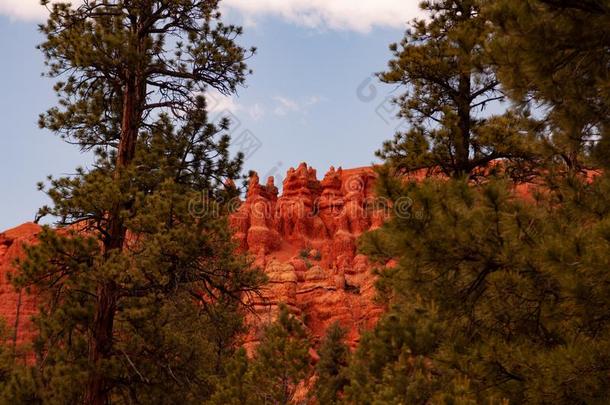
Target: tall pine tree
{"x": 140, "y": 293}
{"x": 500, "y": 296}
{"x": 553, "y": 58}
{"x": 448, "y": 75}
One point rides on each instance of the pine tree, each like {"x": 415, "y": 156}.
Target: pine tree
{"x": 552, "y": 57}
{"x": 280, "y": 364}
{"x": 235, "y": 388}
{"x": 332, "y": 367}
{"x": 449, "y": 78}
{"x": 497, "y": 297}
{"x": 140, "y": 293}
{"x": 16, "y": 384}
{"x": 281, "y": 361}
{"x": 392, "y": 363}
{"x": 494, "y": 298}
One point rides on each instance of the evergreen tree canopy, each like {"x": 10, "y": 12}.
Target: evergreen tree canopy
{"x": 235, "y": 388}
{"x": 494, "y": 297}
{"x": 497, "y": 296}
{"x": 281, "y": 363}
{"x": 448, "y": 74}
{"x": 140, "y": 292}
{"x": 4, "y": 354}
{"x": 331, "y": 369}
{"x": 553, "y": 57}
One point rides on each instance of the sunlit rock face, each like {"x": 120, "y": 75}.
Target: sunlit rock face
{"x": 16, "y": 307}
{"x": 305, "y": 240}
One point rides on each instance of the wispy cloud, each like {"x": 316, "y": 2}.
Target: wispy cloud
{"x": 218, "y": 102}
{"x": 28, "y": 10}
{"x": 356, "y": 15}
{"x": 285, "y": 105}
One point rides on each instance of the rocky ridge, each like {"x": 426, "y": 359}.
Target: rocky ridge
{"x": 304, "y": 240}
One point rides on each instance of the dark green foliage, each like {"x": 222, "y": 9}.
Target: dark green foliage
{"x": 554, "y": 54}
{"x": 280, "y": 364}
{"x": 5, "y": 355}
{"x": 497, "y": 297}
{"x": 140, "y": 289}
{"x": 493, "y": 298}
{"x": 281, "y": 361}
{"x": 235, "y": 387}
{"x": 331, "y": 369}
{"x": 393, "y": 364}
{"x": 16, "y": 382}
{"x": 164, "y": 53}
{"x": 448, "y": 74}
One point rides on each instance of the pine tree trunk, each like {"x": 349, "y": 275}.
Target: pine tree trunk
{"x": 101, "y": 345}
{"x": 462, "y": 141}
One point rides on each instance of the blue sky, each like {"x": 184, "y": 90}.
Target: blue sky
{"x": 311, "y": 98}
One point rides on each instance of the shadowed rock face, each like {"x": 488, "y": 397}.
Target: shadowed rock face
{"x": 304, "y": 240}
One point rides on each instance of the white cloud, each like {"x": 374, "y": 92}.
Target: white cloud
{"x": 28, "y": 10}
{"x": 23, "y": 9}
{"x": 313, "y": 100}
{"x": 218, "y": 102}
{"x": 285, "y": 105}
{"x": 226, "y": 106}
{"x": 220, "y": 105}
{"x": 357, "y": 15}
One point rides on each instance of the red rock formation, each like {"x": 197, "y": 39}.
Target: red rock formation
{"x": 16, "y": 307}
{"x": 305, "y": 241}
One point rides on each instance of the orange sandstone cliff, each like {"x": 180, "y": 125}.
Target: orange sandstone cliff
{"x": 16, "y": 307}
{"x": 304, "y": 239}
